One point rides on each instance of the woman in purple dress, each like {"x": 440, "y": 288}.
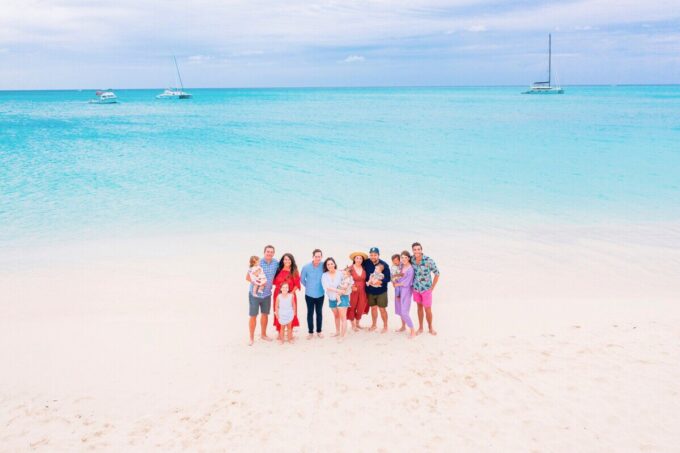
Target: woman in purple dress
{"x": 403, "y": 303}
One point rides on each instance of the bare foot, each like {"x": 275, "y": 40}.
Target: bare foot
{"x": 419, "y": 331}
{"x": 433, "y": 332}
{"x": 401, "y": 330}
{"x": 412, "y": 335}
{"x": 320, "y": 335}
{"x": 334, "y": 334}
{"x": 250, "y": 343}
{"x": 355, "y": 328}
{"x": 384, "y": 330}
{"x": 281, "y": 340}
{"x": 265, "y": 338}
{"x": 310, "y": 336}
{"x": 372, "y": 328}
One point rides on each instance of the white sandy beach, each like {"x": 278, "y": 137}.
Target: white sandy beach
{"x": 558, "y": 340}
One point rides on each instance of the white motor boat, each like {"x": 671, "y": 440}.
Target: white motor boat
{"x": 546, "y": 87}
{"x": 104, "y": 97}
{"x": 175, "y": 93}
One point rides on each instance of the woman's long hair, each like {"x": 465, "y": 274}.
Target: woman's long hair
{"x": 325, "y": 264}
{"x": 293, "y": 267}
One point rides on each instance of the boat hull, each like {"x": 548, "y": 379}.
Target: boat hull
{"x": 551, "y": 91}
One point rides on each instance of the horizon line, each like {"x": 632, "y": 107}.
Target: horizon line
{"x": 341, "y": 87}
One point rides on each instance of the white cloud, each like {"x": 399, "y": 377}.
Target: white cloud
{"x": 247, "y": 53}
{"x": 101, "y": 25}
{"x": 476, "y": 28}
{"x": 199, "y": 59}
{"x": 354, "y": 59}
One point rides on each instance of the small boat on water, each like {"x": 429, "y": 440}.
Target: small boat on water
{"x": 104, "y": 97}
{"x": 175, "y": 93}
{"x": 546, "y": 87}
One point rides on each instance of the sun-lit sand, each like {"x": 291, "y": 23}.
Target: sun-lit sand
{"x": 551, "y": 340}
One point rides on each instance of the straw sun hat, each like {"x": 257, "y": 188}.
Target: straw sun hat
{"x": 355, "y": 254}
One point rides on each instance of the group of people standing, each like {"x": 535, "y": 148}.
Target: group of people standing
{"x": 352, "y": 292}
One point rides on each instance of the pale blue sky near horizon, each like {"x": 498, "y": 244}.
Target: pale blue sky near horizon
{"x": 69, "y": 44}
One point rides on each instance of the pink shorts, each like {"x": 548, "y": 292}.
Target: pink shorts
{"x": 424, "y": 298}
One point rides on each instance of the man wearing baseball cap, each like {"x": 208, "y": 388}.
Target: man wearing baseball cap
{"x": 377, "y": 294}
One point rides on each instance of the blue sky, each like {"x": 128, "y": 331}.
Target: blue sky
{"x": 244, "y": 43}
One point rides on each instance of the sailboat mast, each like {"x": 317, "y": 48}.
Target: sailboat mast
{"x": 178, "y": 74}
{"x": 549, "y": 58}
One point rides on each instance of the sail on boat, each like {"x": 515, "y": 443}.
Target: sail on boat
{"x": 174, "y": 93}
{"x": 546, "y": 87}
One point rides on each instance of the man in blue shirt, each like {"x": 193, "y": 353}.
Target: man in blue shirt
{"x": 377, "y": 295}
{"x": 263, "y": 301}
{"x": 311, "y": 280}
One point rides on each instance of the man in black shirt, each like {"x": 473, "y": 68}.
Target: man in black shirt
{"x": 377, "y": 293}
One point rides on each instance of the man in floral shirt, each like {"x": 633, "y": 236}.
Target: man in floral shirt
{"x": 423, "y": 285}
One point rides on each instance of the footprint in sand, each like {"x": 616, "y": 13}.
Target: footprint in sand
{"x": 470, "y": 382}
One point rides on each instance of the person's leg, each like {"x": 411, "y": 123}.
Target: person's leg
{"x": 428, "y": 315}
{"x": 427, "y": 306}
{"x": 253, "y": 310}
{"x": 382, "y": 305}
{"x": 351, "y": 312}
{"x": 397, "y": 311}
{"x": 406, "y": 312}
{"x": 374, "y": 318}
{"x": 336, "y": 319}
{"x": 310, "y": 315}
{"x": 418, "y": 299}
{"x": 373, "y": 303}
{"x": 343, "y": 321}
{"x": 361, "y": 308}
{"x": 251, "y": 326}
{"x": 265, "y": 307}
{"x": 318, "y": 306}
{"x": 383, "y": 316}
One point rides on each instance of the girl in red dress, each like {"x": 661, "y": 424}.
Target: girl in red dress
{"x": 358, "y": 301}
{"x": 287, "y": 272}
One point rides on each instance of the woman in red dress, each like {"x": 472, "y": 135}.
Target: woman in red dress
{"x": 358, "y": 301}
{"x": 287, "y": 272}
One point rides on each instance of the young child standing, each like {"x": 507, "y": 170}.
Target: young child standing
{"x": 257, "y": 277}
{"x": 284, "y": 310}
{"x": 396, "y": 274}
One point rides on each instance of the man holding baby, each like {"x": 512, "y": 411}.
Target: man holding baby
{"x": 377, "y": 278}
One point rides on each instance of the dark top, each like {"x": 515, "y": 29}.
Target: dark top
{"x": 369, "y": 267}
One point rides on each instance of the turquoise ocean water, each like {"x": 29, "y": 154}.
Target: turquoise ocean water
{"x": 301, "y": 158}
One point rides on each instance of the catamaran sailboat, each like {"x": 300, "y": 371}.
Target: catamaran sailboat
{"x": 546, "y": 87}
{"x": 174, "y": 93}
